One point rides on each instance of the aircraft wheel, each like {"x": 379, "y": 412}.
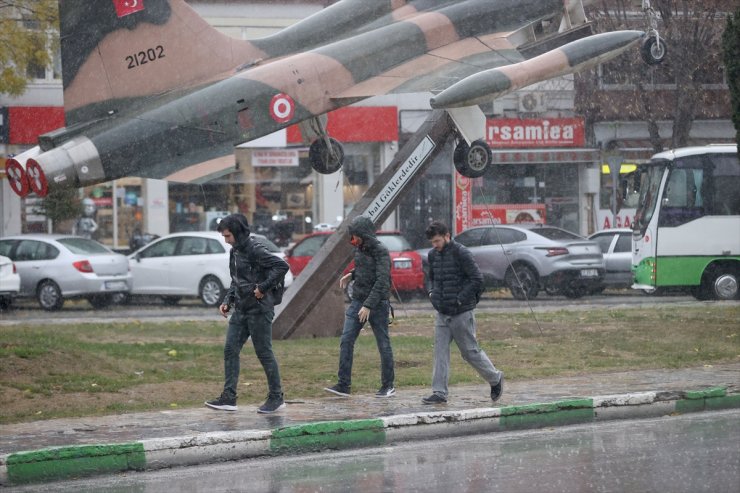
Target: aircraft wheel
{"x": 322, "y": 160}
{"x": 472, "y": 160}
{"x": 653, "y": 50}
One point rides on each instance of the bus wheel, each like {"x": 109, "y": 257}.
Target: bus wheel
{"x": 722, "y": 283}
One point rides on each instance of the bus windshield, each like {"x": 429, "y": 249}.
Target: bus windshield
{"x": 650, "y": 178}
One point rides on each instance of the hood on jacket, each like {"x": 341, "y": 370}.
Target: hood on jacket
{"x": 363, "y": 227}
{"x": 238, "y": 225}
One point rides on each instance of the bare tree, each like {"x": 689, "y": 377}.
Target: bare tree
{"x": 674, "y": 90}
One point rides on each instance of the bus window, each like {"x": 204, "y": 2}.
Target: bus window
{"x": 682, "y": 198}
{"x": 724, "y": 197}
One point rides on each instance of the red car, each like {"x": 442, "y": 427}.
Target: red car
{"x": 407, "y": 275}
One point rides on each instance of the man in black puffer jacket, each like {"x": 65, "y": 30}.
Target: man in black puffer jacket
{"x": 372, "y": 282}
{"x": 255, "y": 272}
{"x": 456, "y": 287}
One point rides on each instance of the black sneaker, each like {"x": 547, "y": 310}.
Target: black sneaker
{"x": 271, "y": 405}
{"x": 498, "y": 389}
{"x": 338, "y": 390}
{"x": 223, "y": 403}
{"x": 385, "y": 392}
{"x": 434, "y": 399}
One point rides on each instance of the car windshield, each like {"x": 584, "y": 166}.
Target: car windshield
{"x": 83, "y": 245}
{"x": 394, "y": 243}
{"x": 556, "y": 234}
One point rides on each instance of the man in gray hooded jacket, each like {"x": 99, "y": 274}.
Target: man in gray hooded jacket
{"x": 372, "y": 281}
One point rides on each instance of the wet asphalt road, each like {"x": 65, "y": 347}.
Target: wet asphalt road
{"x": 152, "y": 309}
{"x": 687, "y": 453}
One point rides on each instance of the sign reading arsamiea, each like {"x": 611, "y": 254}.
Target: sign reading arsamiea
{"x": 400, "y": 178}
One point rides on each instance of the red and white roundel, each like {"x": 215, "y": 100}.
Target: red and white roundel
{"x": 282, "y": 108}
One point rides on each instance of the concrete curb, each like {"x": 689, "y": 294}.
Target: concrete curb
{"x": 51, "y": 464}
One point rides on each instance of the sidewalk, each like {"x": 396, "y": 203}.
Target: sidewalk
{"x": 54, "y": 449}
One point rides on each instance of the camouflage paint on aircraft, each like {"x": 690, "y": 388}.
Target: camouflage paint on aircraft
{"x": 150, "y": 89}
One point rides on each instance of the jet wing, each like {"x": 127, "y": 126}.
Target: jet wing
{"x": 438, "y": 69}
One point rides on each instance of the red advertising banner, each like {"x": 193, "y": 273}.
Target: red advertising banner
{"x": 127, "y": 7}
{"x": 543, "y": 132}
{"x": 469, "y": 215}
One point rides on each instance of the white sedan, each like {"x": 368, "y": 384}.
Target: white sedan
{"x": 191, "y": 264}
{"x": 10, "y": 282}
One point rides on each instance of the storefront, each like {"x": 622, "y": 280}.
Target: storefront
{"x": 535, "y": 178}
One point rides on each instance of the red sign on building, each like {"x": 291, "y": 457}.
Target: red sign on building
{"x": 514, "y": 133}
{"x": 469, "y": 215}
{"x": 127, "y": 7}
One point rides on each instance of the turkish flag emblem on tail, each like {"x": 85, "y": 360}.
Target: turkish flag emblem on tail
{"x": 127, "y": 7}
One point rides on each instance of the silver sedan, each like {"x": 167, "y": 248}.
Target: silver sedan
{"x": 54, "y": 268}
{"x": 527, "y": 258}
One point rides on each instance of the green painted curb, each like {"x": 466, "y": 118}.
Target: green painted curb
{"x": 328, "y": 435}
{"x": 701, "y": 394}
{"x": 66, "y": 462}
{"x": 556, "y": 413}
{"x": 724, "y": 402}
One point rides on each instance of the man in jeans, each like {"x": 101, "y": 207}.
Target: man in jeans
{"x": 456, "y": 287}
{"x": 372, "y": 281}
{"x": 254, "y": 273}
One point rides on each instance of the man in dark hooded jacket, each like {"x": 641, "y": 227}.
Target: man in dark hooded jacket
{"x": 255, "y": 273}
{"x": 372, "y": 281}
{"x": 456, "y": 287}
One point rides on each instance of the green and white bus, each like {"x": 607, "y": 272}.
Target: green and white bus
{"x": 686, "y": 231}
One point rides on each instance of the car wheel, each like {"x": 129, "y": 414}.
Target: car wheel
{"x": 522, "y": 282}
{"x": 574, "y": 292}
{"x": 211, "y": 291}
{"x": 552, "y": 290}
{"x": 171, "y": 300}
{"x": 5, "y": 302}
{"x": 99, "y": 301}
{"x": 654, "y": 291}
{"x": 121, "y": 298}
{"x": 49, "y": 295}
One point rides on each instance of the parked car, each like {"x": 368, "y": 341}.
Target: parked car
{"x": 54, "y": 268}
{"x": 616, "y": 245}
{"x": 528, "y": 258}
{"x": 407, "y": 276}
{"x": 195, "y": 263}
{"x": 324, "y": 227}
{"x": 10, "y": 282}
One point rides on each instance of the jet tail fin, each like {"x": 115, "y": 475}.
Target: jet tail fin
{"x": 115, "y": 52}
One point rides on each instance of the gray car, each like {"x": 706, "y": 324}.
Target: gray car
{"x": 528, "y": 258}
{"x": 616, "y": 245}
{"x": 54, "y": 268}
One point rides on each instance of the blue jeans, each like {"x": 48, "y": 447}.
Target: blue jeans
{"x": 258, "y": 324}
{"x": 379, "y": 322}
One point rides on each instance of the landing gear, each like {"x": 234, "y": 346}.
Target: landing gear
{"x": 472, "y": 160}
{"x": 326, "y": 155}
{"x": 653, "y": 49}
